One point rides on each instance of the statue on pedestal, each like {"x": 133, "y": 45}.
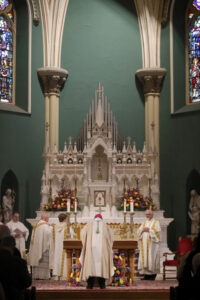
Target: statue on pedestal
{"x": 8, "y": 202}
{"x": 194, "y": 212}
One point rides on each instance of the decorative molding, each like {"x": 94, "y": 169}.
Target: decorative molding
{"x": 149, "y": 18}
{"x": 52, "y": 80}
{"x": 151, "y": 79}
{"x": 36, "y": 18}
{"x": 165, "y": 13}
{"x": 53, "y": 19}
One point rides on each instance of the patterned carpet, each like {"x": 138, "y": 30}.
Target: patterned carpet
{"x": 136, "y": 285}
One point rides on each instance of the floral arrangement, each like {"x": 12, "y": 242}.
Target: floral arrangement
{"x": 74, "y": 276}
{"x": 121, "y": 270}
{"x": 139, "y": 201}
{"x": 60, "y": 201}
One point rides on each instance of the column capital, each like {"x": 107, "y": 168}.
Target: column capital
{"x": 52, "y": 80}
{"x": 151, "y": 79}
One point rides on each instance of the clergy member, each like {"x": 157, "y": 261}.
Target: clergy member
{"x": 149, "y": 247}
{"x": 20, "y": 232}
{"x": 59, "y": 258}
{"x": 96, "y": 256}
{"x": 38, "y": 256}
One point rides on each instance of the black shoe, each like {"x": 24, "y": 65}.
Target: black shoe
{"x": 152, "y": 277}
{"x": 102, "y": 286}
{"x": 148, "y": 277}
{"x": 88, "y": 287}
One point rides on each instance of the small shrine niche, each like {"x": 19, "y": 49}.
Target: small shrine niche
{"x": 100, "y": 163}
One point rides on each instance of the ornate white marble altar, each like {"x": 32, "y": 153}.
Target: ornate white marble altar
{"x": 100, "y": 162}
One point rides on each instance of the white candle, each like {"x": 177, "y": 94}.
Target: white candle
{"x": 131, "y": 206}
{"x": 75, "y": 206}
{"x": 124, "y": 205}
{"x": 68, "y": 205}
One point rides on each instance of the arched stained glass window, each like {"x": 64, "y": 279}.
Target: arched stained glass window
{"x": 193, "y": 55}
{"x": 6, "y": 51}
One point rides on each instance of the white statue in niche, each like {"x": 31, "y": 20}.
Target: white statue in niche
{"x": 194, "y": 212}
{"x": 8, "y": 204}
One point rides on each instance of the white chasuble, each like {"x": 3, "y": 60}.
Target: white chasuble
{"x": 96, "y": 256}
{"x": 149, "y": 256}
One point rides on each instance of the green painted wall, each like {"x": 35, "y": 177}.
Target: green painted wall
{"x": 101, "y": 43}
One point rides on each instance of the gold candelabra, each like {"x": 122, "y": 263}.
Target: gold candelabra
{"x": 75, "y": 226}
{"x": 124, "y": 228}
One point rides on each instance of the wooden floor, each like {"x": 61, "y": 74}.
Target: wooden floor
{"x": 139, "y": 290}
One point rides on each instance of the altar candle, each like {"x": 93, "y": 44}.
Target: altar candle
{"x": 75, "y": 206}
{"x": 124, "y": 205}
{"x": 68, "y": 205}
{"x": 131, "y": 206}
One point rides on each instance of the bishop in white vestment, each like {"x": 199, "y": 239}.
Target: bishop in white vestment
{"x": 20, "y": 232}
{"x": 149, "y": 247}
{"x": 96, "y": 256}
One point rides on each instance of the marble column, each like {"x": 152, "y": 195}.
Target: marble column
{"x": 151, "y": 80}
{"x": 52, "y": 81}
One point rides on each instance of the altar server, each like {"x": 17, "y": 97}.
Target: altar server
{"x": 20, "y": 232}
{"x": 96, "y": 256}
{"x": 38, "y": 256}
{"x": 149, "y": 247}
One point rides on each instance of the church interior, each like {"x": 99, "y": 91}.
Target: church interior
{"x": 102, "y": 99}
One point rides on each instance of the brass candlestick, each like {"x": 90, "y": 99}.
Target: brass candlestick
{"x": 123, "y": 230}
{"x": 68, "y": 235}
{"x": 132, "y": 224}
{"x": 75, "y": 226}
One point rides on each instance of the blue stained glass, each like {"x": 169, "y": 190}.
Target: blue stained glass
{"x": 3, "y": 4}
{"x": 194, "y": 62}
{"x": 196, "y": 3}
{"x": 6, "y": 62}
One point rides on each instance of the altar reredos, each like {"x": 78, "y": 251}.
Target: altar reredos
{"x": 100, "y": 163}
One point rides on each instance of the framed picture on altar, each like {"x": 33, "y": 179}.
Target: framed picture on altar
{"x": 99, "y": 198}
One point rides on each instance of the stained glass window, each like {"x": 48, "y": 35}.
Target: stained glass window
{"x": 6, "y": 52}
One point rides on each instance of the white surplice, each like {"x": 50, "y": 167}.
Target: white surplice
{"x": 20, "y": 228}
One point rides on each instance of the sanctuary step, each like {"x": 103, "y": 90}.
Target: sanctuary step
{"x": 139, "y": 290}
{"x": 97, "y": 294}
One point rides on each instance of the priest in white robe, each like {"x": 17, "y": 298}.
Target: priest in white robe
{"x": 38, "y": 256}
{"x": 96, "y": 256}
{"x": 59, "y": 255}
{"x": 20, "y": 232}
{"x": 149, "y": 247}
